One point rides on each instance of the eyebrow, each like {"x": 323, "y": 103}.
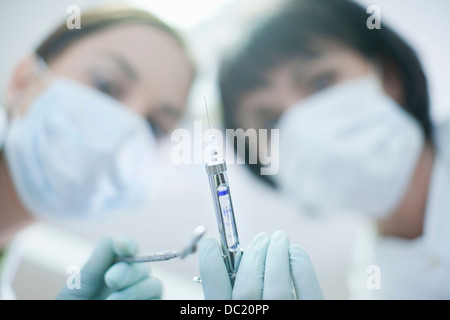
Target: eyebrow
{"x": 129, "y": 71}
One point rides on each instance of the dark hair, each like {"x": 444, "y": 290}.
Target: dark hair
{"x": 294, "y": 30}
{"x": 96, "y": 19}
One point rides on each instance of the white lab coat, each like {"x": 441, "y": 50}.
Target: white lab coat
{"x": 394, "y": 268}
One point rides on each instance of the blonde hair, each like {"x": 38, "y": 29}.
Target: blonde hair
{"x": 96, "y": 19}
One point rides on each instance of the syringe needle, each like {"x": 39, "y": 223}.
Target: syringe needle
{"x": 207, "y": 113}
{"x": 214, "y": 152}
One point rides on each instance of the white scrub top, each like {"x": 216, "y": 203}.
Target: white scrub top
{"x": 395, "y": 268}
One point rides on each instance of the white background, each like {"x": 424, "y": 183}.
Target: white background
{"x": 183, "y": 200}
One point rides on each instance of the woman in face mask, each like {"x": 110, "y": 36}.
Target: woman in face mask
{"x": 82, "y": 118}
{"x": 351, "y": 105}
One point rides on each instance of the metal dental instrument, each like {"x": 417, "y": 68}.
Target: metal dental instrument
{"x": 189, "y": 247}
{"x": 218, "y": 181}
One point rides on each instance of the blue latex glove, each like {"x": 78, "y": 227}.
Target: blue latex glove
{"x": 270, "y": 269}
{"x": 101, "y": 278}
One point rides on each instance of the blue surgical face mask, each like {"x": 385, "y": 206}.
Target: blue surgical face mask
{"x": 349, "y": 148}
{"x": 78, "y": 155}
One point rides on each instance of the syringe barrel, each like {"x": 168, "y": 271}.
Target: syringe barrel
{"x": 220, "y": 190}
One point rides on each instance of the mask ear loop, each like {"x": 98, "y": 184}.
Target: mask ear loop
{"x": 42, "y": 71}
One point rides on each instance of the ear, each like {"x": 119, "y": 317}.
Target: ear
{"x": 22, "y": 79}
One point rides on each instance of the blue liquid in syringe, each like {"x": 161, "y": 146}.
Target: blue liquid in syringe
{"x": 227, "y": 217}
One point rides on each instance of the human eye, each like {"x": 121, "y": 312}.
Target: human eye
{"x": 108, "y": 86}
{"x": 321, "y": 81}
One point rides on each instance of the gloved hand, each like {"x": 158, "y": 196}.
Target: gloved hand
{"x": 101, "y": 278}
{"x": 267, "y": 270}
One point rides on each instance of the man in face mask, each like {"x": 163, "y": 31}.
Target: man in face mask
{"x": 352, "y": 110}
{"x": 79, "y": 143}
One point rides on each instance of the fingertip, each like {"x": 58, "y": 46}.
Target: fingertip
{"x": 261, "y": 240}
{"x": 115, "y": 275}
{"x": 208, "y": 246}
{"x": 261, "y": 236}
{"x": 125, "y": 246}
{"x": 279, "y": 234}
{"x": 207, "y": 243}
{"x": 123, "y": 274}
{"x": 279, "y": 237}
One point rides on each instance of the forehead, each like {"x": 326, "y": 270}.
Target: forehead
{"x": 283, "y": 83}
{"x": 158, "y": 59}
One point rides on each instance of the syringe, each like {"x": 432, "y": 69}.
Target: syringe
{"x": 220, "y": 190}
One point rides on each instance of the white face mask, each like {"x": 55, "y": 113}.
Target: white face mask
{"x": 349, "y": 148}
{"x": 80, "y": 155}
